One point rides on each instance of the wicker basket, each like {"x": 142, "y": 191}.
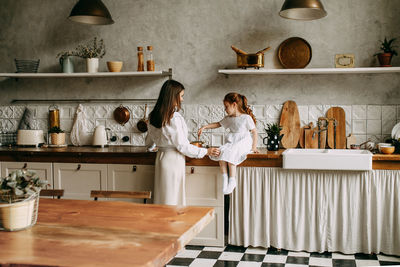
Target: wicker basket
{"x": 24, "y": 66}
{"x": 57, "y": 138}
{"x": 19, "y": 215}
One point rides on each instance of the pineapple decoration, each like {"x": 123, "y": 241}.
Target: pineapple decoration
{"x": 274, "y": 137}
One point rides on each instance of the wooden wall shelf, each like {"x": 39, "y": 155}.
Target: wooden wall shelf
{"x": 263, "y": 71}
{"x": 89, "y": 75}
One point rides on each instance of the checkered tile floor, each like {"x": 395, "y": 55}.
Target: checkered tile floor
{"x": 259, "y": 257}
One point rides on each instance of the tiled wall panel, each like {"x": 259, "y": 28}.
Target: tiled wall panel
{"x": 373, "y": 122}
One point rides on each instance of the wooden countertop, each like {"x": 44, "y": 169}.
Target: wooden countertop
{"x": 103, "y": 233}
{"x": 139, "y": 155}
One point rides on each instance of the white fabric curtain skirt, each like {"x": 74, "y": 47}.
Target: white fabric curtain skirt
{"x": 316, "y": 211}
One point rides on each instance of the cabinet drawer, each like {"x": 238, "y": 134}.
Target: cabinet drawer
{"x": 43, "y": 169}
{"x": 126, "y": 177}
{"x": 78, "y": 180}
{"x": 213, "y": 234}
{"x": 204, "y": 186}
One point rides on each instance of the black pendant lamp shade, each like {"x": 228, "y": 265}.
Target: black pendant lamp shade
{"x": 302, "y": 9}
{"x": 91, "y": 12}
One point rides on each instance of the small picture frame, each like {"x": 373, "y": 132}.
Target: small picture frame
{"x": 344, "y": 61}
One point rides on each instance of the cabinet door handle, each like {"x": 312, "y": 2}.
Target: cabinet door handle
{"x": 192, "y": 170}
{"x": 134, "y": 168}
{"x": 79, "y": 167}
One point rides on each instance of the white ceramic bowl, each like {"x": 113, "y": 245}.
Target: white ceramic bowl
{"x": 380, "y": 145}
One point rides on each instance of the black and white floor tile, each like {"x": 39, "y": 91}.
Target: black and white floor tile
{"x": 233, "y": 256}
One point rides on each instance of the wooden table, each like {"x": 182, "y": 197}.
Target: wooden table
{"x": 103, "y": 233}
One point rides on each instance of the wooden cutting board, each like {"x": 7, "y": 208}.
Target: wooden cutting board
{"x": 340, "y": 116}
{"x": 290, "y": 123}
{"x": 311, "y": 142}
{"x": 302, "y": 135}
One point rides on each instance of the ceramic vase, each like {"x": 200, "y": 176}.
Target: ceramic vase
{"x": 67, "y": 64}
{"x": 92, "y": 65}
{"x": 273, "y": 142}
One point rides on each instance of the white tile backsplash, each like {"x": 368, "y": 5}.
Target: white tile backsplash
{"x": 259, "y": 111}
{"x": 387, "y": 126}
{"x": 359, "y": 112}
{"x": 18, "y": 111}
{"x": 389, "y": 113}
{"x": 398, "y": 112}
{"x": 314, "y": 112}
{"x": 374, "y": 112}
{"x": 359, "y": 126}
{"x": 273, "y": 111}
{"x": 303, "y": 112}
{"x": 364, "y": 121}
{"x": 6, "y": 112}
{"x": 374, "y": 126}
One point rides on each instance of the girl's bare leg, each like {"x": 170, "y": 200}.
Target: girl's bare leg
{"x": 232, "y": 178}
{"x": 224, "y": 171}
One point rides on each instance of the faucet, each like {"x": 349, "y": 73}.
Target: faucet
{"x": 327, "y": 120}
{"x": 320, "y": 129}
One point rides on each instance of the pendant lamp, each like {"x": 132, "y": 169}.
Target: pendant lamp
{"x": 91, "y": 12}
{"x": 302, "y": 10}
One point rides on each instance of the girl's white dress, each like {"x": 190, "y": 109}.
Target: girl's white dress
{"x": 238, "y": 142}
{"x": 173, "y": 145}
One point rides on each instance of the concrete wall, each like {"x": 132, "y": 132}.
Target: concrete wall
{"x": 193, "y": 37}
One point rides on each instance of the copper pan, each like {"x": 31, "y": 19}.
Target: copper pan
{"x": 142, "y": 123}
{"x": 122, "y": 115}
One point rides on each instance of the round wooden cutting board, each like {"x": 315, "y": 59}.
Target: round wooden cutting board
{"x": 290, "y": 123}
{"x": 340, "y": 116}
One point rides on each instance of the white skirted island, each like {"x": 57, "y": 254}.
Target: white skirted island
{"x": 317, "y": 211}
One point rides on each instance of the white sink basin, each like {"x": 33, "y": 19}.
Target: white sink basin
{"x": 327, "y": 159}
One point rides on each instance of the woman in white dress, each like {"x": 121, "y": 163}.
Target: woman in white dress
{"x": 167, "y": 129}
{"x": 240, "y": 141}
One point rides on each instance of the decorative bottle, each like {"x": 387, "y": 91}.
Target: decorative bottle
{"x": 150, "y": 59}
{"x": 140, "y": 66}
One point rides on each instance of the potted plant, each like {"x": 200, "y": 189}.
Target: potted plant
{"x": 273, "y": 136}
{"x": 19, "y": 198}
{"x": 65, "y": 58}
{"x": 57, "y": 136}
{"x": 92, "y": 51}
{"x": 385, "y": 57}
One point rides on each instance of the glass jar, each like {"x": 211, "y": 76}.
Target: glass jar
{"x": 150, "y": 59}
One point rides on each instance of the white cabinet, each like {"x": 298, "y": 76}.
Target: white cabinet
{"x": 43, "y": 169}
{"x": 124, "y": 177}
{"x": 204, "y": 188}
{"x": 78, "y": 180}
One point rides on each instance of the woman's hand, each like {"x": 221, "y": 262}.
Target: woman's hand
{"x": 255, "y": 150}
{"x": 213, "y": 151}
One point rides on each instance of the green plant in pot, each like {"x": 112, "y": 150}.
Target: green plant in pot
{"x": 388, "y": 51}
{"x": 57, "y": 136}
{"x": 19, "y": 198}
{"x": 92, "y": 51}
{"x": 274, "y": 136}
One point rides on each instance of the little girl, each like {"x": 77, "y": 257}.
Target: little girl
{"x": 239, "y": 142}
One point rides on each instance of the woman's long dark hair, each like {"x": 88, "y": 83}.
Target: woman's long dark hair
{"x": 241, "y": 102}
{"x": 166, "y": 103}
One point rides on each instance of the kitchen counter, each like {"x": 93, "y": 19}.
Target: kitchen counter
{"x": 139, "y": 155}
